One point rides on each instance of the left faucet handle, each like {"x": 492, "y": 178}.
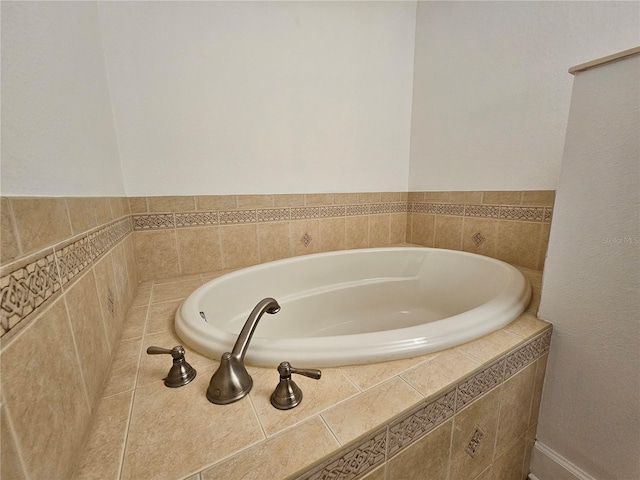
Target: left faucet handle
{"x": 181, "y": 372}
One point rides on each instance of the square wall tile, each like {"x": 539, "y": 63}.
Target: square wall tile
{"x": 40, "y": 222}
{"x": 199, "y": 249}
{"x": 239, "y": 245}
{"x": 9, "y": 248}
{"x": 273, "y": 239}
{"x": 156, "y": 254}
{"x": 448, "y": 232}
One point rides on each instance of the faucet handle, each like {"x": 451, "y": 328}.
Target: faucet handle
{"x": 287, "y": 394}
{"x": 181, "y": 372}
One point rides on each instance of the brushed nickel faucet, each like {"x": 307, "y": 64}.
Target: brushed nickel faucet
{"x": 231, "y": 381}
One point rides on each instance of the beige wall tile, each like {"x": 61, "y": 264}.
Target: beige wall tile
{"x": 538, "y": 383}
{"x": 33, "y": 367}
{"x": 174, "y": 290}
{"x": 423, "y": 229}
{"x": 40, "y": 222}
{"x": 539, "y": 197}
{"x": 199, "y": 249}
{"x": 171, "y": 204}
{"x": 161, "y": 316}
{"x": 368, "y": 410}
{"x": 440, "y": 372}
{"x": 515, "y": 409}
{"x": 103, "y": 210}
{"x": 397, "y": 228}
{"x": 102, "y": 452}
{"x": 544, "y": 245}
{"x": 369, "y": 375}
{"x": 124, "y": 286}
{"x": 273, "y": 239}
{"x": 216, "y": 202}
{"x": 82, "y": 213}
{"x": 143, "y": 296}
{"x": 466, "y": 198}
{"x": 509, "y": 465}
{"x": 239, "y": 245}
{"x": 9, "y": 248}
{"x": 519, "y": 243}
{"x": 437, "y": 197}
{"x": 138, "y": 205}
{"x": 416, "y": 197}
{"x": 369, "y": 197}
{"x": 318, "y": 395}
{"x": 156, "y": 254}
{"x": 481, "y": 416}
{"x": 132, "y": 269}
{"x": 487, "y": 475}
{"x": 134, "y": 323}
{"x": 332, "y": 234}
{"x": 108, "y": 297}
{"x": 377, "y": 474}
{"x": 490, "y": 346}
{"x": 448, "y": 232}
{"x": 254, "y": 201}
{"x": 357, "y": 231}
{"x": 526, "y": 325}
{"x": 10, "y": 463}
{"x": 426, "y": 458}
{"x": 488, "y": 229}
{"x": 300, "y": 446}
{"x": 345, "y": 198}
{"x": 379, "y": 230}
{"x": 124, "y": 368}
{"x": 89, "y": 333}
{"x": 502, "y": 197}
{"x": 289, "y": 200}
{"x": 205, "y": 431}
{"x": 391, "y": 197}
{"x": 313, "y": 199}
{"x": 297, "y": 229}
{"x": 120, "y": 206}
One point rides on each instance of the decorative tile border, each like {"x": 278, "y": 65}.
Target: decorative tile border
{"x": 38, "y": 279}
{"x": 355, "y": 461}
{"x": 152, "y": 221}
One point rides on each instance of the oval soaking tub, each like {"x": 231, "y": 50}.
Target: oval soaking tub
{"x": 355, "y": 306}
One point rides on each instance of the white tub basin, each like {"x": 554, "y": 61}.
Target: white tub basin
{"x": 355, "y": 306}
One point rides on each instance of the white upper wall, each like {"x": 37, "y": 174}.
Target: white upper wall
{"x": 57, "y": 126}
{"x": 491, "y": 90}
{"x": 261, "y": 97}
{"x": 590, "y": 411}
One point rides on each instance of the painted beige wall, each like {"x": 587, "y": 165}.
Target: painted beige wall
{"x": 590, "y": 412}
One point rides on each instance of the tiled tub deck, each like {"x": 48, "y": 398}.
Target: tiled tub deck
{"x": 469, "y": 412}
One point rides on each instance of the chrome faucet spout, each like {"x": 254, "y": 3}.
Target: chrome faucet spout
{"x": 231, "y": 381}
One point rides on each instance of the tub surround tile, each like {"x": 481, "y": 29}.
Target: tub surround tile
{"x": 254, "y": 201}
{"x": 203, "y": 429}
{"x": 448, "y": 232}
{"x": 541, "y": 367}
{"x": 82, "y": 215}
{"x": 61, "y": 406}
{"x": 106, "y": 439}
{"x": 332, "y": 234}
{"x": 379, "y": 230}
{"x": 124, "y": 368}
{"x": 161, "y": 316}
{"x": 519, "y": 243}
{"x": 426, "y": 458}
{"x": 289, "y": 200}
{"x": 10, "y": 462}
{"x": 156, "y": 254}
{"x": 171, "y": 204}
{"x": 502, "y": 197}
{"x": 273, "y": 240}
{"x": 40, "y": 222}
{"x": 135, "y": 322}
{"x": 438, "y": 373}
{"x": 490, "y": 346}
{"x": 510, "y": 464}
{"x": 239, "y": 246}
{"x": 377, "y": 474}
{"x": 178, "y": 290}
{"x": 308, "y": 442}
{"x": 216, "y": 202}
{"x": 350, "y": 418}
{"x": 369, "y": 375}
{"x": 357, "y": 232}
{"x": 318, "y": 396}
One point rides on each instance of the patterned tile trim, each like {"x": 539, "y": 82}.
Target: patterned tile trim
{"x": 505, "y": 212}
{"x": 196, "y": 219}
{"x": 358, "y": 461}
{"x": 355, "y": 462}
{"x": 274, "y": 215}
{"x": 153, "y": 221}
{"x": 408, "y": 430}
{"x": 27, "y": 287}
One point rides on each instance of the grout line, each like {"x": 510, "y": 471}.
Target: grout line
{"x": 12, "y": 433}
{"x": 75, "y": 347}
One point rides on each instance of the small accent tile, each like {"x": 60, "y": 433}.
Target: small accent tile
{"x": 354, "y": 463}
{"x": 305, "y": 239}
{"x": 193, "y": 219}
{"x": 417, "y": 424}
{"x": 548, "y": 212}
{"x": 478, "y": 239}
{"x": 380, "y": 208}
{"x": 480, "y": 383}
{"x": 474, "y": 442}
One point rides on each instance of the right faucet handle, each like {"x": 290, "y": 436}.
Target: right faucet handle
{"x": 287, "y": 394}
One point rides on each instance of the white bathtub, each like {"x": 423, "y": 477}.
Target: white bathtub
{"x": 355, "y": 306}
